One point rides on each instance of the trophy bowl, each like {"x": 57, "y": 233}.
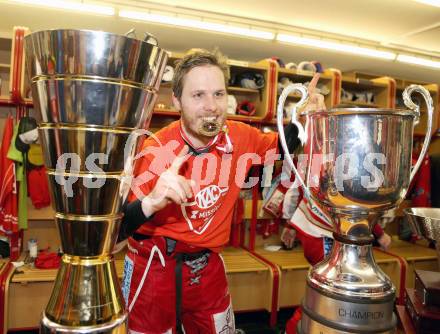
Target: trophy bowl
{"x": 425, "y": 222}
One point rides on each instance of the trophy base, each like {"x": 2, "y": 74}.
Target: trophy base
{"x": 348, "y": 293}
{"x": 325, "y": 313}
{"x": 313, "y": 327}
{"x": 117, "y": 326}
{"x": 86, "y": 298}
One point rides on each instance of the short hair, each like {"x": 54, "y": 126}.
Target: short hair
{"x": 195, "y": 58}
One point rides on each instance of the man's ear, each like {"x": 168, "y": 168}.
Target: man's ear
{"x": 176, "y": 103}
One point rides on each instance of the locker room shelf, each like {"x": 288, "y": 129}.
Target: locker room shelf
{"x": 243, "y": 90}
{"x": 413, "y": 252}
{"x": 238, "y": 260}
{"x": 245, "y": 274}
{"x": 29, "y": 274}
{"x": 417, "y": 256}
{"x": 294, "y": 268}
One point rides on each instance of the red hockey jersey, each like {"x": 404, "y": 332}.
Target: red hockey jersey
{"x": 219, "y": 174}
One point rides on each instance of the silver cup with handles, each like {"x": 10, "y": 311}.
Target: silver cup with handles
{"x": 356, "y": 165}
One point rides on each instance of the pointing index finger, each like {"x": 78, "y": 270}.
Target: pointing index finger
{"x": 180, "y": 159}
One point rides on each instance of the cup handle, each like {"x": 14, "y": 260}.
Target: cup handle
{"x": 129, "y": 157}
{"x": 413, "y": 106}
{"x": 148, "y": 38}
{"x": 131, "y": 33}
{"x": 302, "y": 135}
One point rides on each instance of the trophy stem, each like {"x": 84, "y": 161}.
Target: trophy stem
{"x": 85, "y": 298}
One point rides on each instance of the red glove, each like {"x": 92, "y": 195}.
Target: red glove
{"x": 46, "y": 260}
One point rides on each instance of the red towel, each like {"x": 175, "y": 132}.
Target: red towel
{"x": 46, "y": 260}
{"x": 8, "y": 185}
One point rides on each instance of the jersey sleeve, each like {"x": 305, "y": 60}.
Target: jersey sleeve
{"x": 258, "y": 141}
{"x": 265, "y": 142}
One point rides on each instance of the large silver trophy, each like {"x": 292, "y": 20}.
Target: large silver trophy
{"x": 357, "y": 165}
{"x": 93, "y": 89}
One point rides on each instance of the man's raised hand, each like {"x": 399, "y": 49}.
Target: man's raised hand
{"x": 170, "y": 187}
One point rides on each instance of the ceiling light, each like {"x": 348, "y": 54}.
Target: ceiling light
{"x": 418, "y": 61}
{"x": 71, "y": 5}
{"x": 340, "y": 47}
{"x": 197, "y": 24}
{"x": 435, "y": 3}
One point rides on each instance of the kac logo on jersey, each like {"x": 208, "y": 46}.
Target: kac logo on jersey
{"x": 199, "y": 213}
{"x": 208, "y": 196}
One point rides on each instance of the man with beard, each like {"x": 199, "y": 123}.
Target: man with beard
{"x": 180, "y": 208}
